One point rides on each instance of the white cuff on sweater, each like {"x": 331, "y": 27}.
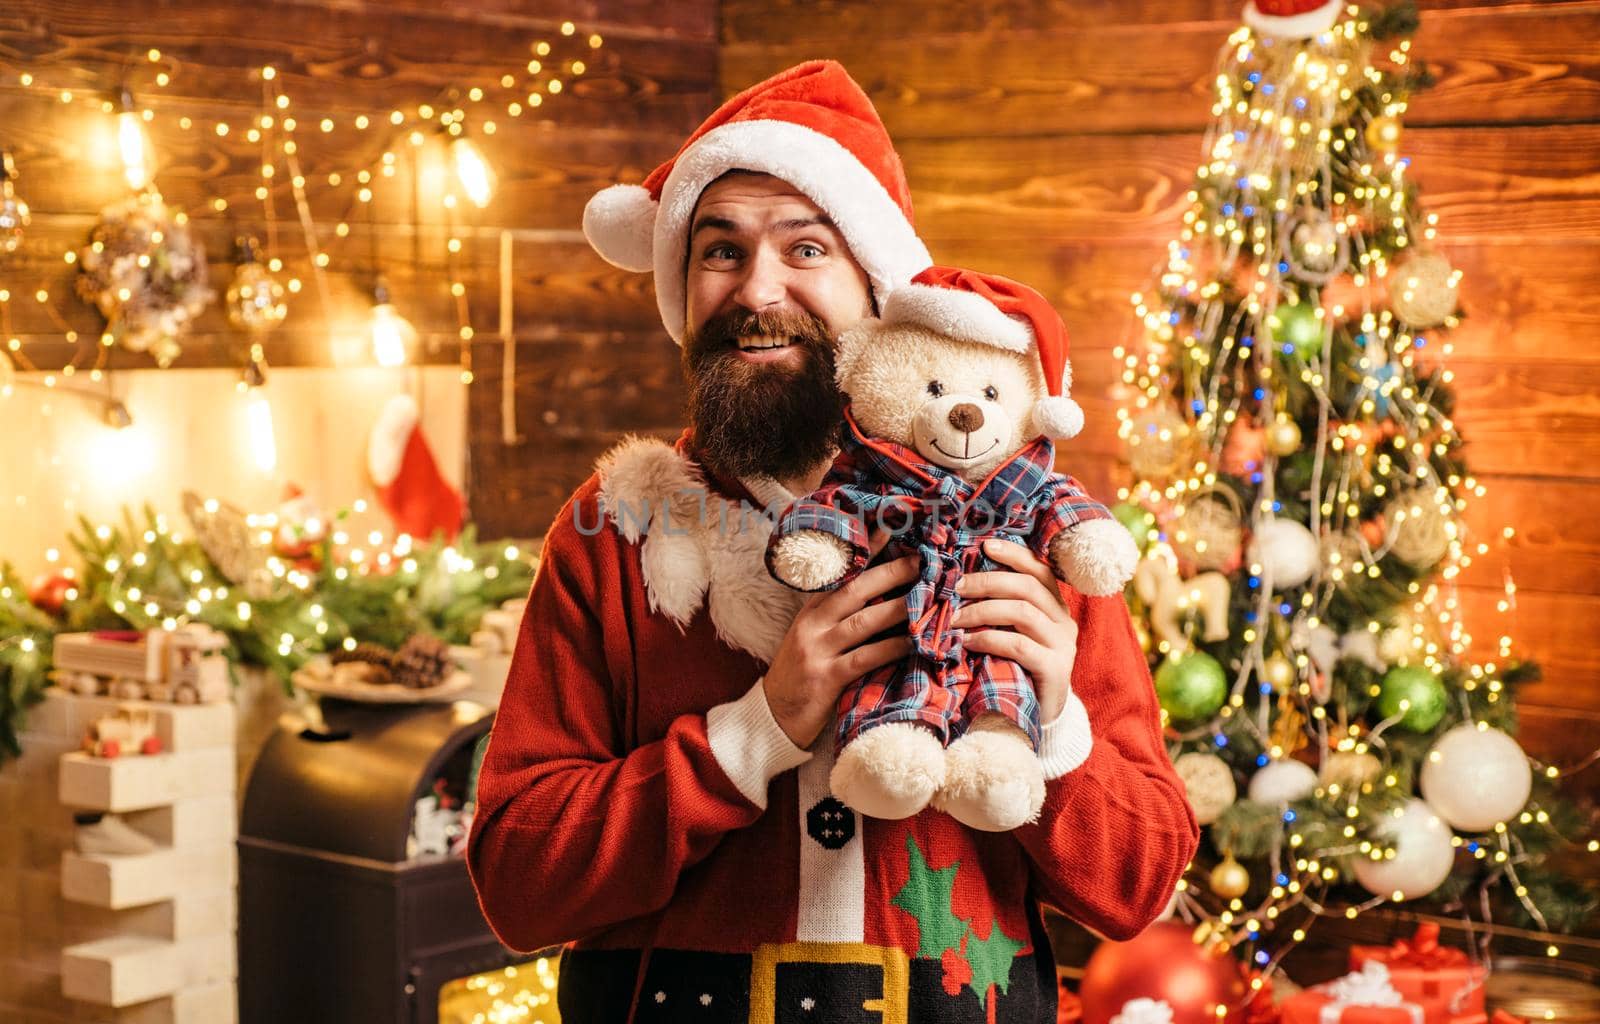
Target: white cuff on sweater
{"x": 750, "y": 745}
{"x": 1065, "y": 743}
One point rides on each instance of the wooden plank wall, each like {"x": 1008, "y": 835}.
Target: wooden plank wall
{"x": 1054, "y": 141}
{"x": 592, "y": 359}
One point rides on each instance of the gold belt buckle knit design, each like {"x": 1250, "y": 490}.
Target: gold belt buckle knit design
{"x": 891, "y": 1004}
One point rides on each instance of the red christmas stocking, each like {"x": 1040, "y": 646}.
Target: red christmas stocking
{"x": 410, "y": 487}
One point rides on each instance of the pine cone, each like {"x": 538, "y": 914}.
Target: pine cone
{"x": 423, "y": 662}
{"x": 373, "y": 654}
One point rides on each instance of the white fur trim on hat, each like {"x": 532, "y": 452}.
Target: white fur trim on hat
{"x": 879, "y": 236}
{"x": 1058, "y": 416}
{"x": 957, "y": 314}
{"x": 1293, "y": 26}
{"x": 619, "y": 222}
{"x": 391, "y": 431}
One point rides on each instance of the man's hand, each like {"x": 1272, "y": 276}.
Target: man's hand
{"x": 826, "y": 647}
{"x": 1042, "y": 637}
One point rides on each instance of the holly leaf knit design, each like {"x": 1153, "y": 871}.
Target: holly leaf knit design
{"x": 926, "y": 896}
{"x": 991, "y": 961}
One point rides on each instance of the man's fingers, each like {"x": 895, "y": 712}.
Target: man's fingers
{"x": 1022, "y": 559}
{"x": 870, "y": 656}
{"x": 1020, "y": 649}
{"x": 873, "y": 582}
{"x": 977, "y": 586}
{"x": 869, "y": 622}
{"x": 875, "y": 543}
{"x": 1024, "y": 615}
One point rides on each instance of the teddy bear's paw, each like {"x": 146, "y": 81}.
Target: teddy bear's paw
{"x": 993, "y": 780}
{"x": 889, "y": 771}
{"x": 1097, "y": 557}
{"x": 810, "y": 560}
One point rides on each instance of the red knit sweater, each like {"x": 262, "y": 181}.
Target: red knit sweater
{"x": 638, "y": 797}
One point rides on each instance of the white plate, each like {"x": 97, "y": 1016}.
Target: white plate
{"x": 317, "y": 677}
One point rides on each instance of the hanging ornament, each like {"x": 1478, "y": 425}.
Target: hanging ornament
{"x": 1209, "y": 783}
{"x": 1286, "y": 551}
{"x": 1158, "y": 442}
{"x": 1421, "y": 858}
{"x": 1422, "y": 529}
{"x": 1208, "y": 532}
{"x": 1162, "y": 962}
{"x": 1191, "y": 687}
{"x": 147, "y": 275}
{"x": 255, "y": 298}
{"x": 49, "y": 592}
{"x": 1296, "y": 329}
{"x": 1168, "y": 599}
{"x": 1317, "y": 250}
{"x": 14, "y": 215}
{"x": 1229, "y": 879}
{"x": 1245, "y": 448}
{"x": 1288, "y": 726}
{"x": 1282, "y": 782}
{"x": 1279, "y": 671}
{"x": 1349, "y": 769}
{"x": 1341, "y": 549}
{"x": 1138, "y": 521}
{"x": 1422, "y": 289}
{"x": 1476, "y": 777}
{"x": 1283, "y": 437}
{"x": 1414, "y": 695}
{"x": 1374, "y": 531}
{"x": 1383, "y": 134}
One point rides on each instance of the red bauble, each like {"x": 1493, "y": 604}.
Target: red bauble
{"x": 1163, "y": 962}
{"x": 48, "y": 592}
{"x": 1245, "y": 448}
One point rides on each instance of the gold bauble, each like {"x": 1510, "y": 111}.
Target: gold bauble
{"x": 1207, "y": 534}
{"x": 1383, "y": 134}
{"x": 1283, "y": 437}
{"x": 1158, "y": 443}
{"x": 1279, "y": 671}
{"x": 1350, "y": 769}
{"x": 1422, "y": 290}
{"x": 1229, "y": 879}
{"x": 1422, "y": 531}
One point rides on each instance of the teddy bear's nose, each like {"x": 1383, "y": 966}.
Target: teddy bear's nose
{"x": 966, "y": 417}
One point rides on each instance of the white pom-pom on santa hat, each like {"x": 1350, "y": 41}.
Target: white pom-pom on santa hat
{"x": 993, "y": 310}
{"x": 620, "y": 222}
{"x": 410, "y": 487}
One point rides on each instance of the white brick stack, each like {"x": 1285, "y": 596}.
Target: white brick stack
{"x": 140, "y": 938}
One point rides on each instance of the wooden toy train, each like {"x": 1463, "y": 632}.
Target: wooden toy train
{"x": 184, "y": 665}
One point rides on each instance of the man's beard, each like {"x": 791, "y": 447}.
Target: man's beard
{"x": 762, "y": 419}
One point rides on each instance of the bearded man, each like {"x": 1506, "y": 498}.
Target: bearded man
{"x": 655, "y": 791}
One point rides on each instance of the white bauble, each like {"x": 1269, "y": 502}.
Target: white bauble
{"x": 1362, "y": 644}
{"x": 1422, "y": 858}
{"x": 1282, "y": 782}
{"x": 1475, "y": 778}
{"x": 1209, "y": 782}
{"x": 1287, "y": 552}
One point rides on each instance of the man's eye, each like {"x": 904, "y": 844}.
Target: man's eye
{"x": 935, "y": 388}
{"x": 808, "y": 251}
{"x": 722, "y": 252}
{"x": 990, "y": 393}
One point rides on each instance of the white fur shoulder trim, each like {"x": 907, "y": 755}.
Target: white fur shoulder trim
{"x": 655, "y": 498}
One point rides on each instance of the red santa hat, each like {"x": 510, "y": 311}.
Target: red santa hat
{"x": 418, "y": 498}
{"x": 811, "y": 126}
{"x": 994, "y": 310}
{"x": 1291, "y": 19}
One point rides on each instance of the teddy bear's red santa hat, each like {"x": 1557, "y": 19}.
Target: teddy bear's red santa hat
{"x": 811, "y": 126}
{"x": 994, "y": 310}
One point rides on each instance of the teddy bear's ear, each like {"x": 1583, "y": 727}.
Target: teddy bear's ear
{"x": 850, "y": 346}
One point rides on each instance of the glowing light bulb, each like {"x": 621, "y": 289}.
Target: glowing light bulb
{"x": 477, "y": 180}
{"x": 133, "y": 144}
{"x": 263, "y": 443}
{"x": 392, "y": 334}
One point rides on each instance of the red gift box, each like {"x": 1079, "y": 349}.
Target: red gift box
{"x": 1420, "y": 968}
{"x": 1364, "y": 997}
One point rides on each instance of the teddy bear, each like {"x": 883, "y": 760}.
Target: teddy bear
{"x": 955, "y": 394}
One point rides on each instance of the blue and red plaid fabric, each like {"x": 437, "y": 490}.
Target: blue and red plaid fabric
{"x": 944, "y": 519}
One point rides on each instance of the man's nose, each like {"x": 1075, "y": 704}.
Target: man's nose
{"x": 966, "y": 417}
{"x": 765, "y": 282}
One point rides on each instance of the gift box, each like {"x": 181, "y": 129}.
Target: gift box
{"x": 1420, "y": 968}
{"x": 1362, "y": 997}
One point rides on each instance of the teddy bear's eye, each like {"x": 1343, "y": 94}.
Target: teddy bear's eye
{"x": 990, "y": 393}
{"x": 935, "y": 388}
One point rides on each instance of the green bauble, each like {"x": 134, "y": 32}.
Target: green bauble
{"x": 1137, "y": 520}
{"x": 1191, "y": 687}
{"x": 1420, "y": 689}
{"x": 1297, "y": 327}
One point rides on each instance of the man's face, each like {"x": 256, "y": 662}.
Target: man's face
{"x": 771, "y": 284}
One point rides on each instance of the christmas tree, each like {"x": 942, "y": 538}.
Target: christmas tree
{"x": 1298, "y": 494}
